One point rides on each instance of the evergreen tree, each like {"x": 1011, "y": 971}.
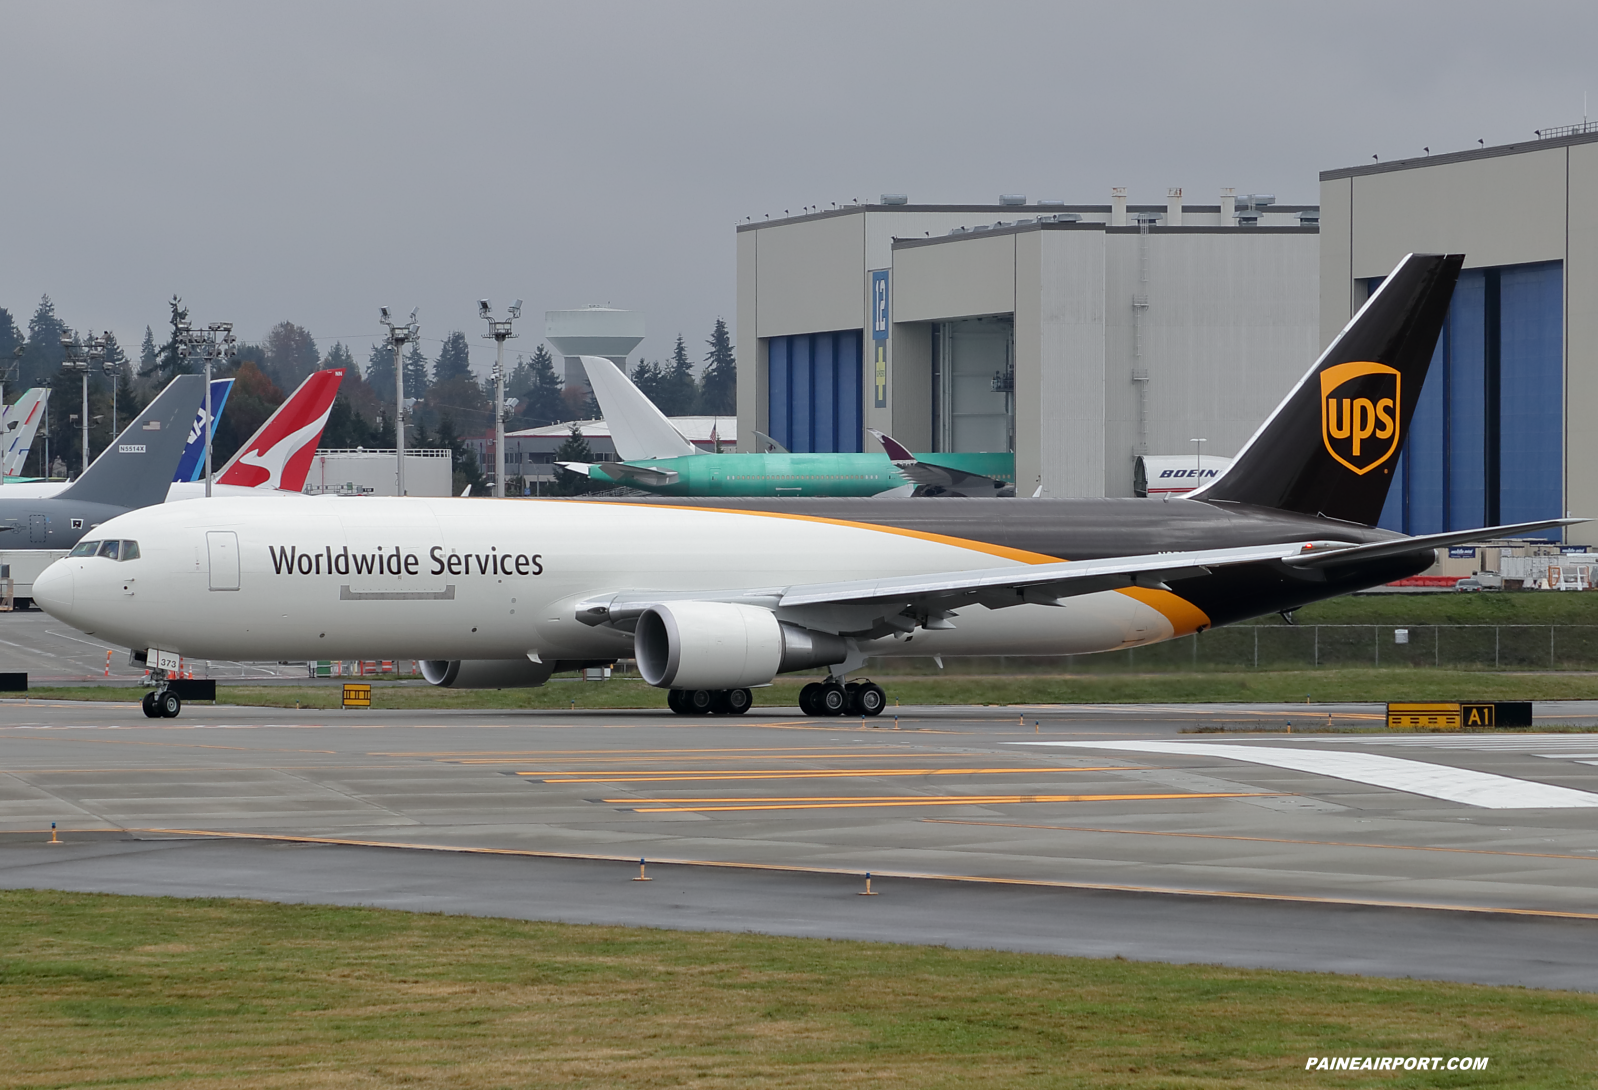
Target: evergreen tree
{"x": 415, "y": 372}
{"x": 147, "y": 353}
{"x": 541, "y": 397}
{"x": 454, "y": 359}
{"x": 650, "y": 381}
{"x": 291, "y": 354}
{"x": 380, "y": 370}
{"x": 339, "y": 356}
{"x": 573, "y": 449}
{"x": 718, "y": 384}
{"x": 678, "y": 391}
{"x": 42, "y": 355}
{"x": 11, "y": 339}
{"x": 464, "y": 459}
{"x": 167, "y": 357}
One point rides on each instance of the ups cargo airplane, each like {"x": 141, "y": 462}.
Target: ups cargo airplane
{"x": 713, "y": 597}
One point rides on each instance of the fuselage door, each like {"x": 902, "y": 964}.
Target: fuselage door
{"x": 36, "y": 529}
{"x": 223, "y": 547}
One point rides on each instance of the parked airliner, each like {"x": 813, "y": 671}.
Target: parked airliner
{"x": 714, "y": 597}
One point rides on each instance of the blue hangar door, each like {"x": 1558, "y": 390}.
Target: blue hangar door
{"x": 814, "y": 391}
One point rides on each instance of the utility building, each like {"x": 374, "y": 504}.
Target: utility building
{"x": 1494, "y": 439}
{"x": 1078, "y": 336}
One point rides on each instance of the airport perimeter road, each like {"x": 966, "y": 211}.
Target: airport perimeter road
{"x": 1065, "y": 824}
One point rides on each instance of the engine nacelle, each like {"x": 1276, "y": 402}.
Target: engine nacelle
{"x": 723, "y": 645}
{"x": 520, "y": 673}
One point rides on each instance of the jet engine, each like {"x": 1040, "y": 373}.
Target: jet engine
{"x": 723, "y": 645}
{"x": 520, "y": 673}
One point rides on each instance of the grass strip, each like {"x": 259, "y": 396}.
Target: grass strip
{"x": 104, "y": 990}
{"x": 1330, "y": 685}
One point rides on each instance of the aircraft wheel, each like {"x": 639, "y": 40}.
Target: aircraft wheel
{"x": 832, "y": 700}
{"x": 869, "y": 699}
{"x": 168, "y": 704}
{"x": 738, "y": 701}
{"x": 699, "y": 701}
{"x": 807, "y": 699}
{"x": 719, "y": 704}
{"x": 677, "y": 701}
{"x": 149, "y": 706}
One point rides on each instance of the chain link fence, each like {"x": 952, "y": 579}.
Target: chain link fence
{"x": 1297, "y": 647}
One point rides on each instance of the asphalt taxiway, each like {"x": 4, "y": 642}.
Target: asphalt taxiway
{"x": 1091, "y": 830}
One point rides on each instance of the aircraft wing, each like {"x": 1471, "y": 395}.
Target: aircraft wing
{"x": 875, "y": 607}
{"x": 623, "y": 473}
{"x": 929, "y": 473}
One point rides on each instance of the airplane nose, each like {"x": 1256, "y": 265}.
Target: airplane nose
{"x": 52, "y": 590}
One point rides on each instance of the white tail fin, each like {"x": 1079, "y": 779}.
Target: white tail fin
{"x": 637, "y": 427}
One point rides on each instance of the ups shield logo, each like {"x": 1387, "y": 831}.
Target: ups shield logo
{"x": 1359, "y": 414}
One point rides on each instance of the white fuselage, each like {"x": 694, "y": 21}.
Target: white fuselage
{"x": 481, "y": 579}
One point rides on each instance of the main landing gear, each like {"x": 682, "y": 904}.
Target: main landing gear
{"x": 709, "y": 701}
{"x": 162, "y": 704}
{"x": 829, "y": 698}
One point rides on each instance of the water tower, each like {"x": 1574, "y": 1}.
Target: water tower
{"x": 593, "y": 331}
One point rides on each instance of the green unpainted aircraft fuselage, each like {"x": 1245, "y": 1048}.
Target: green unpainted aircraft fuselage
{"x": 796, "y": 474}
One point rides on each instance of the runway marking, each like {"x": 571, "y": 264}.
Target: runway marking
{"x": 191, "y": 745}
{"x": 700, "y": 806}
{"x": 1263, "y": 839}
{"x": 925, "y": 876}
{"x": 789, "y": 774}
{"x": 1463, "y": 785}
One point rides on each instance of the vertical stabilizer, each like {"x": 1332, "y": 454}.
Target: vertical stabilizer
{"x": 19, "y": 424}
{"x": 637, "y": 427}
{"x": 1330, "y": 447}
{"x": 279, "y": 454}
{"x": 192, "y": 464}
{"x": 136, "y": 469}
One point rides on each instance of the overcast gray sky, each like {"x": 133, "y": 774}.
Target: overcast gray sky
{"x": 312, "y": 161}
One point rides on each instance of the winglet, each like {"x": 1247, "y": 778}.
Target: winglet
{"x": 638, "y": 428}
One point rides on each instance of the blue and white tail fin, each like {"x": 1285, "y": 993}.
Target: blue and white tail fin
{"x": 637, "y": 427}
{"x": 192, "y": 465}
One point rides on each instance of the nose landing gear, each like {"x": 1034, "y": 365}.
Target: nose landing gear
{"x": 162, "y": 704}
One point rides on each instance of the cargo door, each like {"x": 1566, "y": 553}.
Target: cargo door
{"x": 223, "y": 547}
{"x": 36, "y": 529}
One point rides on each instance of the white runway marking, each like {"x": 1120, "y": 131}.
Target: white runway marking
{"x": 1513, "y": 743}
{"x": 1464, "y": 785}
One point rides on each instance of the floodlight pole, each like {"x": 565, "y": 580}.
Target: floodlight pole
{"x": 398, "y": 337}
{"x": 500, "y": 332}
{"x": 79, "y": 357}
{"x": 211, "y": 343}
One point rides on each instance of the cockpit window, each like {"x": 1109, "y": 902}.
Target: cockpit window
{"x": 130, "y": 550}
{"x": 110, "y": 549}
{"x": 85, "y": 548}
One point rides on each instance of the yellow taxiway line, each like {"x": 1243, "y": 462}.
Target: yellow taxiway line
{"x": 588, "y": 776}
{"x": 1032, "y": 883}
{"x": 700, "y": 806}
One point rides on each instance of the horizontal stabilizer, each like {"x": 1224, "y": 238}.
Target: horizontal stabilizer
{"x": 1334, "y": 555}
{"x": 643, "y": 476}
{"x": 929, "y": 472}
